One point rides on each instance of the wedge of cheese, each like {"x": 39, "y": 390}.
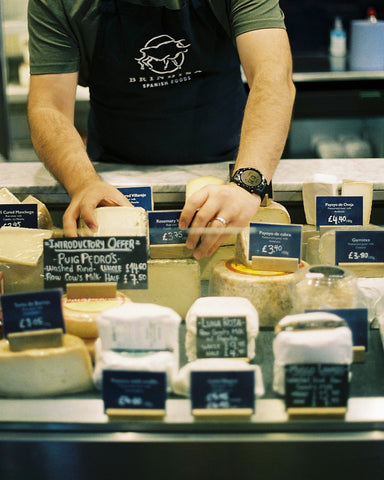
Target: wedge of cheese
{"x": 6, "y": 197}
{"x": 224, "y": 307}
{"x": 45, "y": 372}
{"x": 269, "y": 292}
{"x": 320, "y": 185}
{"x": 117, "y": 221}
{"x": 21, "y": 258}
{"x": 172, "y": 283}
{"x": 310, "y": 338}
{"x": 44, "y": 219}
{"x": 197, "y": 183}
{"x": 355, "y": 188}
{"x": 272, "y": 212}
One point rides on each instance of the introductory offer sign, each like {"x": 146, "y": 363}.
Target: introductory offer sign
{"x": 121, "y": 260}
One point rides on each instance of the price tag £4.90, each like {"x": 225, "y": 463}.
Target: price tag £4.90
{"x": 339, "y": 210}
{"x": 364, "y": 246}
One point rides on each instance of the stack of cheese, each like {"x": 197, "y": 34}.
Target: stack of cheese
{"x": 33, "y": 367}
{"x": 83, "y": 303}
{"x": 173, "y": 283}
{"x": 209, "y": 309}
{"x": 268, "y": 291}
{"x": 21, "y": 258}
{"x": 137, "y": 336}
{"x": 310, "y": 338}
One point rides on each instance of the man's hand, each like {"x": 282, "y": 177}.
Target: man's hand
{"x": 85, "y": 200}
{"x": 229, "y": 202}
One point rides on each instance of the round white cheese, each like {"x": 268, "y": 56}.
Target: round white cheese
{"x": 221, "y": 307}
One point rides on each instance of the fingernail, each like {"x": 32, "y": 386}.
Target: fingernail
{"x": 198, "y": 255}
{"x": 182, "y": 225}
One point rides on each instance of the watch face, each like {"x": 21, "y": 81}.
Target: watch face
{"x": 251, "y": 178}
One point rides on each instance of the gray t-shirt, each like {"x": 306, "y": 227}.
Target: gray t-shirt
{"x": 62, "y": 33}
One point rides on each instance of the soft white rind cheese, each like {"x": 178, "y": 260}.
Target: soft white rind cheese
{"x": 139, "y": 326}
{"x": 331, "y": 345}
{"x": 221, "y": 307}
{"x": 182, "y": 380}
{"x": 167, "y": 362}
{"x": 46, "y": 371}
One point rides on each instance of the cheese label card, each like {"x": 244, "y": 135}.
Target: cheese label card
{"x": 135, "y": 390}
{"x": 120, "y": 260}
{"x": 139, "y": 196}
{"x": 359, "y": 246}
{"x": 32, "y": 311}
{"x": 339, "y": 210}
{"x": 223, "y": 390}
{"x": 164, "y": 227}
{"x": 23, "y": 215}
{"x": 274, "y": 240}
{"x": 316, "y": 385}
{"x": 221, "y": 337}
{"x": 357, "y": 320}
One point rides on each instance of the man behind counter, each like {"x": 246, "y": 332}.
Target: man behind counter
{"x": 165, "y": 88}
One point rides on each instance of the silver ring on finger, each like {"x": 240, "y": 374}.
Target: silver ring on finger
{"x": 221, "y": 220}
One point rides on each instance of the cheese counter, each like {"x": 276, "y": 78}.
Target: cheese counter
{"x": 71, "y": 437}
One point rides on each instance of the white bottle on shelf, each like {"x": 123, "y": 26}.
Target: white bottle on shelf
{"x": 338, "y": 40}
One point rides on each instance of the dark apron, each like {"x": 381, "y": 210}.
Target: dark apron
{"x": 165, "y": 86}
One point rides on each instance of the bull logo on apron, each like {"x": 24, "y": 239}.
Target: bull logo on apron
{"x": 163, "y": 54}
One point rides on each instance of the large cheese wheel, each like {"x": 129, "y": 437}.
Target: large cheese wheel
{"x": 41, "y": 372}
{"x": 269, "y": 292}
{"x": 80, "y": 314}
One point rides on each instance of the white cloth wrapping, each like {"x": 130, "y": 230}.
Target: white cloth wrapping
{"x": 328, "y": 345}
{"x": 221, "y": 307}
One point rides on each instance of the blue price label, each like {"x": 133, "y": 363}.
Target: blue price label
{"x": 32, "y": 311}
{"x": 128, "y": 389}
{"x": 359, "y": 246}
{"x": 164, "y": 227}
{"x": 20, "y": 215}
{"x": 272, "y": 240}
{"x": 139, "y": 196}
{"x": 357, "y": 321}
{"x": 225, "y": 389}
{"x": 339, "y": 210}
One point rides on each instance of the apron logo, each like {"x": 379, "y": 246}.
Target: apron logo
{"x": 163, "y": 54}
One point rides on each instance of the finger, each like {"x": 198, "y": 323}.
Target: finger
{"x": 70, "y": 221}
{"x": 211, "y": 240}
{"x": 192, "y": 205}
{"x": 201, "y": 220}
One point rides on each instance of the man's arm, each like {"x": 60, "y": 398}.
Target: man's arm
{"x": 266, "y": 59}
{"x": 51, "y": 106}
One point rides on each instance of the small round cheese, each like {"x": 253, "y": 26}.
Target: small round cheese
{"x": 80, "y": 314}
{"x": 269, "y": 292}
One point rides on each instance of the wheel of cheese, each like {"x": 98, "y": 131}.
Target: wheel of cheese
{"x": 269, "y": 292}
{"x": 41, "y": 372}
{"x": 80, "y": 314}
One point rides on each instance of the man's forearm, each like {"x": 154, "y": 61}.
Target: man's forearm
{"x": 60, "y": 147}
{"x": 266, "y": 125}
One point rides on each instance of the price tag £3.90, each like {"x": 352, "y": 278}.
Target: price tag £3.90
{"x": 354, "y": 246}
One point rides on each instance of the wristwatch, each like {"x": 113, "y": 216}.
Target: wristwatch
{"x": 251, "y": 180}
